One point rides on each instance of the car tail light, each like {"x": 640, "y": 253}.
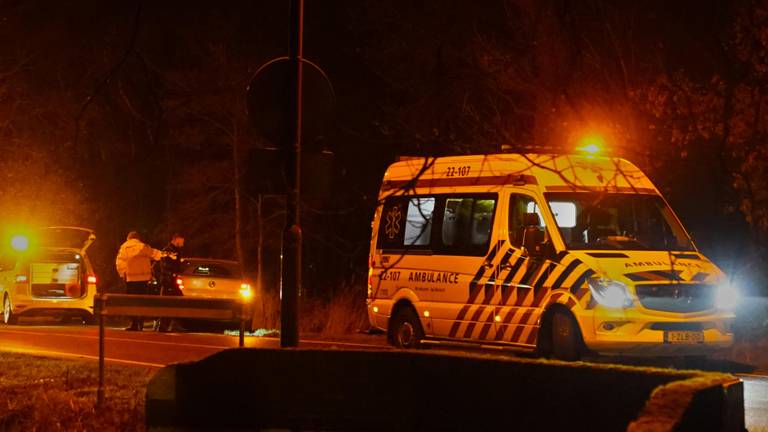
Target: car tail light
{"x": 180, "y": 283}
{"x": 21, "y": 279}
{"x": 92, "y": 279}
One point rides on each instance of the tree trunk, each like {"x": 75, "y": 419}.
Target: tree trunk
{"x": 238, "y": 209}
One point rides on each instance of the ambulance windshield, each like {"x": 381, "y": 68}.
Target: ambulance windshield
{"x": 605, "y": 221}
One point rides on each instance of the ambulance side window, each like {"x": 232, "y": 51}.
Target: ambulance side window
{"x": 406, "y": 223}
{"x": 519, "y": 205}
{"x": 392, "y": 223}
{"x": 466, "y": 224}
{"x": 418, "y": 225}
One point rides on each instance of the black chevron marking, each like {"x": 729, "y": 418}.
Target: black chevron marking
{"x": 474, "y": 290}
{"x": 577, "y": 284}
{"x": 533, "y": 268}
{"x": 560, "y": 255}
{"x": 567, "y": 272}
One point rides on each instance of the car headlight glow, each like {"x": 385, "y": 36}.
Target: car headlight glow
{"x": 609, "y": 292}
{"x": 727, "y": 296}
{"x": 245, "y": 291}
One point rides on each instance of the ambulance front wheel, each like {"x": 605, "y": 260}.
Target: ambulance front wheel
{"x": 566, "y": 338}
{"x": 405, "y": 330}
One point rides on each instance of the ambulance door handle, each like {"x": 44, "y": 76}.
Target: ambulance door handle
{"x": 488, "y": 265}
{"x": 506, "y": 266}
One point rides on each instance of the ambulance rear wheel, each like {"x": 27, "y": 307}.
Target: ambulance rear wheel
{"x": 406, "y": 331}
{"x": 8, "y": 316}
{"x": 566, "y": 338}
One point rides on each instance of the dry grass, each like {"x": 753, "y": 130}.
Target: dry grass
{"x": 343, "y": 315}
{"x": 47, "y": 394}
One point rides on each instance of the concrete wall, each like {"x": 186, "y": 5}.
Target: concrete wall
{"x": 407, "y": 390}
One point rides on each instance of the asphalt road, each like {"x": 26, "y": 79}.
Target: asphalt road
{"x": 147, "y": 348}
{"x": 152, "y": 349}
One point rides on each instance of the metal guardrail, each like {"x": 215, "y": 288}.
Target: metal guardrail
{"x": 166, "y": 307}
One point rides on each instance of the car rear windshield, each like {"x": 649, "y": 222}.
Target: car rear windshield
{"x": 211, "y": 269}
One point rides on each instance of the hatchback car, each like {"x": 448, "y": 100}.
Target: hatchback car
{"x": 48, "y": 273}
{"x": 213, "y": 278}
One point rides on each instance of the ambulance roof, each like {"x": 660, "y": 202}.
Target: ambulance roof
{"x": 551, "y": 173}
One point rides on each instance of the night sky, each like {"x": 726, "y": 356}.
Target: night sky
{"x": 130, "y": 115}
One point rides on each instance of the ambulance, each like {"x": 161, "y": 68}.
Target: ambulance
{"x": 565, "y": 255}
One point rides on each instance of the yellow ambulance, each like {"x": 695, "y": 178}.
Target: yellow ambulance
{"x": 562, "y": 254}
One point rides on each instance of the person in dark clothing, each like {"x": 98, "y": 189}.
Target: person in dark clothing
{"x": 170, "y": 268}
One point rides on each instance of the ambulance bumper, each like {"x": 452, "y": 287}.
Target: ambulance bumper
{"x": 636, "y": 334}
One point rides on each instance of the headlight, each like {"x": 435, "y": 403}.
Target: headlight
{"x": 727, "y": 296}
{"x": 609, "y": 292}
{"x": 245, "y": 291}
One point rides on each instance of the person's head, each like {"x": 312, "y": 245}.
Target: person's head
{"x": 133, "y": 235}
{"x": 177, "y": 240}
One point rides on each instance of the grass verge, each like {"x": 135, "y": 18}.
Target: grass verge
{"x": 49, "y": 394}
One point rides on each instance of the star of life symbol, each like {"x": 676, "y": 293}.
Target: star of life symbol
{"x": 392, "y": 228}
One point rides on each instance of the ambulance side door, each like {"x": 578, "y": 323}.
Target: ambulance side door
{"x": 521, "y": 277}
{"x": 466, "y": 244}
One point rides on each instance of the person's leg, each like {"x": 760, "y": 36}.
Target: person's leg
{"x": 134, "y": 288}
{"x": 170, "y": 289}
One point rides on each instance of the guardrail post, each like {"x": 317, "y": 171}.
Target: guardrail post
{"x": 100, "y": 390}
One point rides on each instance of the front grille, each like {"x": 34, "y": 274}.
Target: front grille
{"x": 677, "y": 297}
{"x": 678, "y": 326}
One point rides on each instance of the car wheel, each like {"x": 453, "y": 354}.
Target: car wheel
{"x": 8, "y": 316}
{"x": 566, "y": 338}
{"x": 89, "y": 319}
{"x": 405, "y": 330}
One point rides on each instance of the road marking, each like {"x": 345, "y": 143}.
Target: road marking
{"x": 81, "y": 356}
{"x": 184, "y": 344}
{"x": 117, "y": 339}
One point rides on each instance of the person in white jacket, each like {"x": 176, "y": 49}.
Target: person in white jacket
{"x": 134, "y": 265}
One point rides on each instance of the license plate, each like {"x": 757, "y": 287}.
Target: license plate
{"x": 683, "y": 337}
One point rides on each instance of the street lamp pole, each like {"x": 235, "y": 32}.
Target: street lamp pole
{"x": 291, "y": 256}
